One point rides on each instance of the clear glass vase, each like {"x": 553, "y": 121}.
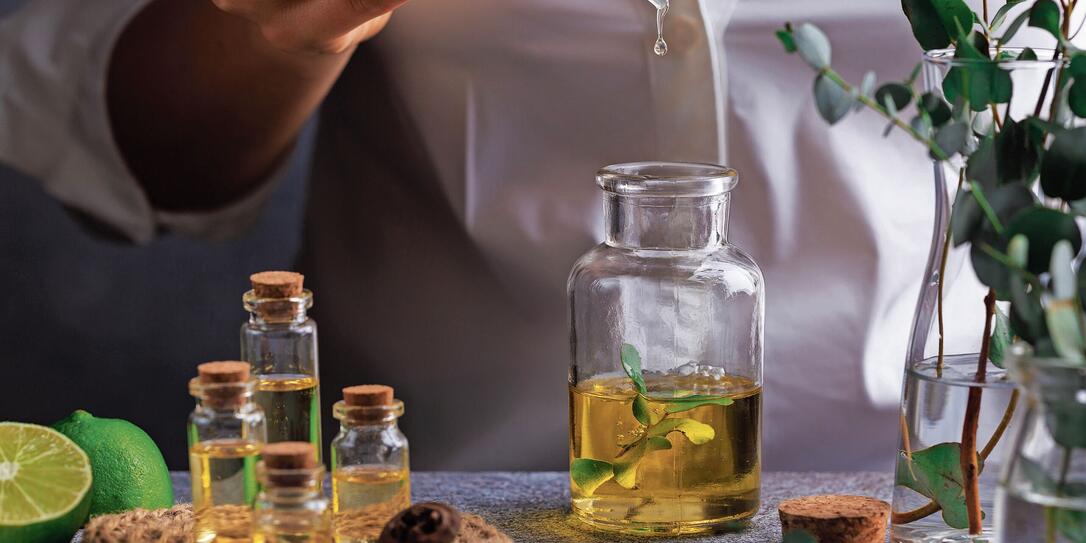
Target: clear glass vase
{"x": 952, "y": 393}
{"x": 1042, "y": 497}
{"x": 666, "y": 337}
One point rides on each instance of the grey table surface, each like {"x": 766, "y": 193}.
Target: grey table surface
{"x": 534, "y": 506}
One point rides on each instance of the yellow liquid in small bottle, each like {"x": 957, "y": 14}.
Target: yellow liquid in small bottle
{"x": 688, "y": 488}
{"x": 291, "y": 404}
{"x": 223, "y": 490}
{"x": 364, "y": 498}
{"x": 298, "y": 526}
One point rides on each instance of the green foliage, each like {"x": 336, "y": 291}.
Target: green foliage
{"x": 1063, "y": 169}
{"x": 936, "y": 473}
{"x": 589, "y": 474}
{"x": 1044, "y": 228}
{"x": 654, "y": 414}
{"x": 832, "y": 101}
{"x": 934, "y": 22}
{"x": 1000, "y": 340}
{"x": 813, "y": 46}
{"x": 1045, "y": 14}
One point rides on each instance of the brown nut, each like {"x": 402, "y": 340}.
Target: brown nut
{"x": 423, "y": 523}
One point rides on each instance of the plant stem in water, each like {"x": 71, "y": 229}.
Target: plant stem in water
{"x": 931, "y": 508}
{"x": 947, "y": 240}
{"x": 969, "y": 461}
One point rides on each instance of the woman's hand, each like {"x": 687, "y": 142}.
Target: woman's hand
{"x": 314, "y": 26}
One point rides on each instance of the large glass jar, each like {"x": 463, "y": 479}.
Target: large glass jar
{"x": 1042, "y": 494}
{"x": 665, "y": 383}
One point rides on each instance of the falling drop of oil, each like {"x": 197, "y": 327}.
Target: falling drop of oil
{"x": 661, "y": 12}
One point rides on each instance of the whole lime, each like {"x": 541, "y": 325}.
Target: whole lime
{"x": 129, "y": 471}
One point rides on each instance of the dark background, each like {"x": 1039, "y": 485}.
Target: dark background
{"x": 118, "y": 329}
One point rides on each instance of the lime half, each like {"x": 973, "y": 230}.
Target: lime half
{"x": 45, "y": 481}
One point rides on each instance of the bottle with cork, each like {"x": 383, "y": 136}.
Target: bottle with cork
{"x": 370, "y": 474}
{"x": 280, "y": 341}
{"x": 226, "y": 433}
{"x": 291, "y": 507}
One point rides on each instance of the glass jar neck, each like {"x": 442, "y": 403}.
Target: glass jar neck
{"x": 667, "y": 223}
{"x": 277, "y": 311}
{"x": 376, "y": 416}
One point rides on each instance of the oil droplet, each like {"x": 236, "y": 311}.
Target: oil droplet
{"x": 661, "y": 12}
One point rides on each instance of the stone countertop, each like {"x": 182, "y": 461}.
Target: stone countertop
{"x": 534, "y": 506}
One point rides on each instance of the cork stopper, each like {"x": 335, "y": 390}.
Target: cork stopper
{"x": 368, "y": 395}
{"x": 844, "y": 519}
{"x": 217, "y": 378}
{"x": 290, "y": 463}
{"x": 277, "y": 284}
{"x": 223, "y": 372}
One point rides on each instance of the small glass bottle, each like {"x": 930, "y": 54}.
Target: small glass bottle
{"x": 665, "y": 382}
{"x": 291, "y": 507}
{"x": 370, "y": 475}
{"x": 226, "y": 433}
{"x": 280, "y": 341}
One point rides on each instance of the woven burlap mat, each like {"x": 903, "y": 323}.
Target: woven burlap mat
{"x": 172, "y": 525}
{"x": 175, "y": 525}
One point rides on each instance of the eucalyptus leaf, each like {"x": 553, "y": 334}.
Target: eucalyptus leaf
{"x": 1062, "y": 318}
{"x": 833, "y": 102}
{"x": 1014, "y": 27}
{"x": 1028, "y": 54}
{"x": 990, "y": 271}
{"x": 867, "y": 88}
{"x": 631, "y": 362}
{"x": 1065, "y": 416}
{"x": 813, "y": 46}
{"x": 936, "y": 107}
{"x": 936, "y": 473}
{"x": 680, "y": 405}
{"x": 981, "y": 165}
{"x": 929, "y": 18}
{"x": 697, "y": 432}
{"x": 1016, "y": 156}
{"x": 900, "y": 94}
{"x": 1002, "y": 12}
{"x": 787, "y": 40}
{"x": 1044, "y": 228}
{"x": 922, "y": 124}
{"x": 966, "y": 218}
{"x": 1063, "y": 168}
{"x": 951, "y": 139}
{"x": 1072, "y": 524}
{"x": 641, "y": 410}
{"x": 1001, "y": 338}
{"x": 1045, "y": 14}
{"x": 1062, "y": 271}
{"x": 1076, "y": 97}
{"x": 589, "y": 474}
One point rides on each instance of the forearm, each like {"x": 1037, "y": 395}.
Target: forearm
{"x": 203, "y": 107}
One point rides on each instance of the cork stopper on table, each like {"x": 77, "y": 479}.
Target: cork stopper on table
{"x": 277, "y": 284}
{"x": 297, "y": 458}
{"x": 838, "y": 519}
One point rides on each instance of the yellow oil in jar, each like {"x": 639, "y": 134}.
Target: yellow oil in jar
{"x": 364, "y": 498}
{"x": 686, "y": 488}
{"x": 223, "y": 490}
{"x": 291, "y": 404}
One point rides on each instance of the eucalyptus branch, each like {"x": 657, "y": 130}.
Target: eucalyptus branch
{"x": 947, "y": 240}
{"x": 936, "y": 151}
{"x": 982, "y": 201}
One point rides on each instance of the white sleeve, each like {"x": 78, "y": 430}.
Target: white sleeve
{"x": 54, "y": 124}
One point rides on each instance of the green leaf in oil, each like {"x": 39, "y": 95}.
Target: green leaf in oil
{"x": 589, "y": 474}
{"x": 646, "y": 410}
{"x": 697, "y": 432}
{"x": 625, "y": 467}
{"x": 679, "y": 405}
{"x": 631, "y": 362}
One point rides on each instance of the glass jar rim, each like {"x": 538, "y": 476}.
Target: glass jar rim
{"x": 373, "y": 414}
{"x": 253, "y": 303}
{"x": 667, "y": 179}
{"x": 945, "y": 57}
